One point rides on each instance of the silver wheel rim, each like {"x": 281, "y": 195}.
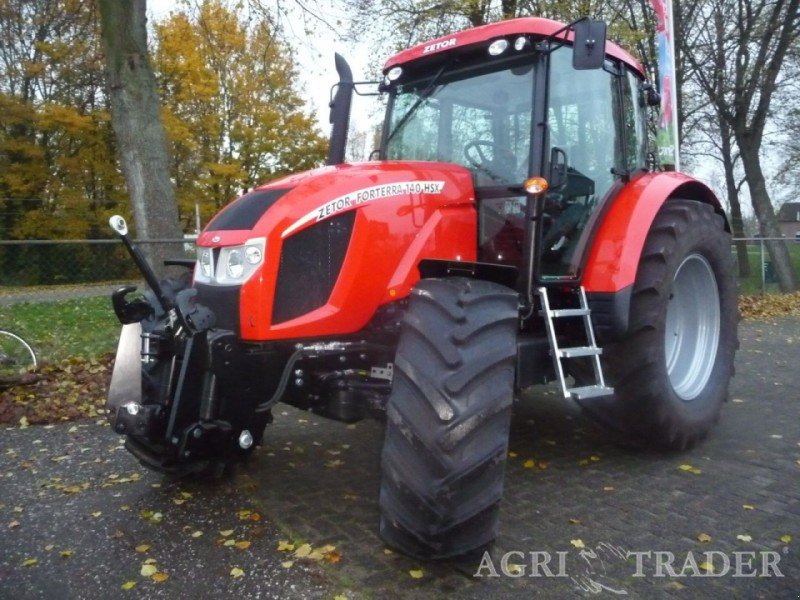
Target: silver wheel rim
{"x": 691, "y": 334}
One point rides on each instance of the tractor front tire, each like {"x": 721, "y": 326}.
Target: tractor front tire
{"x": 671, "y": 371}
{"x": 448, "y": 419}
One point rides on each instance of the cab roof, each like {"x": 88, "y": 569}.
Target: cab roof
{"x": 526, "y": 25}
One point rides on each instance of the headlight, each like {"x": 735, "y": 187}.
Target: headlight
{"x": 234, "y": 265}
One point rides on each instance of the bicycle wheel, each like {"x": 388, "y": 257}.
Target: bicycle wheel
{"x": 16, "y": 356}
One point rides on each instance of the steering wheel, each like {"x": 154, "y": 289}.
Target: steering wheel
{"x": 500, "y": 167}
{"x": 474, "y": 153}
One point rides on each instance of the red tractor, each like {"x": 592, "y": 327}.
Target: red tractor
{"x": 511, "y": 232}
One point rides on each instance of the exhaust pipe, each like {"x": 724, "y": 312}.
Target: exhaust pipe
{"x": 340, "y": 112}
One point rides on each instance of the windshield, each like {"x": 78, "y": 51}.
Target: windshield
{"x": 478, "y": 117}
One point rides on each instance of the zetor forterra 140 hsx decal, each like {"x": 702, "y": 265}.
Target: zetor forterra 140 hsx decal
{"x": 511, "y": 233}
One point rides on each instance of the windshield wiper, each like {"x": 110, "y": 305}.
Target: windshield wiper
{"x": 424, "y": 95}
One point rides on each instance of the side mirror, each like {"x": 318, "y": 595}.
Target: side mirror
{"x": 649, "y": 95}
{"x": 589, "y": 48}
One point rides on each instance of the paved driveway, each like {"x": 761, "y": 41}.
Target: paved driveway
{"x": 71, "y": 488}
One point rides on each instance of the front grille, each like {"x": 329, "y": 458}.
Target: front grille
{"x": 310, "y": 264}
{"x": 223, "y": 302}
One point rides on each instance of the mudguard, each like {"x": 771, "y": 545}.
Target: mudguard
{"x": 619, "y": 239}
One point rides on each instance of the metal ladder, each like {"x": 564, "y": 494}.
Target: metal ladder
{"x": 577, "y": 393}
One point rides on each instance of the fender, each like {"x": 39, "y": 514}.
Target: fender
{"x": 619, "y": 238}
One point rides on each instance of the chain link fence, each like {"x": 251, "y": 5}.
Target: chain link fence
{"x": 78, "y": 266}
{"x": 754, "y": 267}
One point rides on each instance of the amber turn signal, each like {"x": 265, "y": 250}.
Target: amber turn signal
{"x": 535, "y": 185}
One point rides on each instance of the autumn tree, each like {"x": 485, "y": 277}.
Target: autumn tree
{"x": 56, "y": 177}
{"x": 233, "y": 116}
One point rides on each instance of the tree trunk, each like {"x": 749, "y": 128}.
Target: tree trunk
{"x": 136, "y": 118}
{"x": 737, "y": 223}
{"x": 762, "y": 206}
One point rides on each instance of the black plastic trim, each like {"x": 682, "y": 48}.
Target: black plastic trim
{"x": 610, "y": 314}
{"x": 245, "y": 212}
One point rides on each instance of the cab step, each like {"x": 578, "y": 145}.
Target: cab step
{"x": 599, "y": 387}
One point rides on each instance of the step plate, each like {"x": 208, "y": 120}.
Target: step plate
{"x": 590, "y": 391}
{"x": 579, "y": 351}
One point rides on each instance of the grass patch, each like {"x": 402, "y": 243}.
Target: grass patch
{"x": 85, "y": 327}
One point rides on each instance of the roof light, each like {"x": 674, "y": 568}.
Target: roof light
{"x": 497, "y": 47}
{"x": 536, "y": 185}
{"x": 394, "y": 73}
{"x": 520, "y": 43}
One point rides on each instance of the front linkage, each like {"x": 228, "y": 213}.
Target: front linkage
{"x": 186, "y": 395}
{"x": 190, "y": 396}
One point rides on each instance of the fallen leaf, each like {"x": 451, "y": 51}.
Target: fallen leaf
{"x": 226, "y": 532}
{"x": 197, "y": 534}
{"x": 703, "y": 538}
{"x": 287, "y": 564}
{"x": 416, "y": 573}
{"x": 243, "y": 545}
{"x": 575, "y": 521}
{"x": 49, "y": 547}
{"x": 285, "y": 546}
{"x": 66, "y": 553}
{"x": 236, "y": 572}
{"x": 333, "y": 557}
{"x": 229, "y": 543}
{"x": 594, "y": 458}
{"x": 148, "y": 570}
{"x": 686, "y": 467}
{"x": 387, "y": 551}
{"x": 786, "y": 539}
{"x": 179, "y": 501}
{"x": 128, "y": 585}
{"x": 529, "y": 464}
{"x": 340, "y": 597}
{"x": 150, "y": 561}
{"x": 514, "y": 569}
{"x": 577, "y": 543}
{"x": 744, "y": 537}
{"x": 13, "y": 524}
{"x": 512, "y": 455}
{"x": 97, "y": 513}
{"x": 303, "y": 551}
{"x": 23, "y": 423}
{"x": 159, "y": 577}
{"x": 748, "y": 507}
{"x": 608, "y": 488}
{"x": 142, "y": 548}
{"x": 30, "y": 562}
{"x": 707, "y": 567}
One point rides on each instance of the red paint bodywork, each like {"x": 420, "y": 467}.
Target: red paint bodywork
{"x": 390, "y": 236}
{"x": 617, "y": 246}
{"x": 525, "y": 25}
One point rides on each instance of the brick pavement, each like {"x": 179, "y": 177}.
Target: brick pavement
{"x": 317, "y": 481}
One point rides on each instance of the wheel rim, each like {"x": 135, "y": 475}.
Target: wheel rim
{"x": 691, "y": 334}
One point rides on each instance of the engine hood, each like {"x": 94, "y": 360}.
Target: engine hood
{"x": 290, "y": 204}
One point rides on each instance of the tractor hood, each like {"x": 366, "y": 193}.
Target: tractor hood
{"x": 317, "y": 253}
{"x": 292, "y": 203}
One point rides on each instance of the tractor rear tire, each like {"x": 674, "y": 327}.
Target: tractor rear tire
{"x": 671, "y": 371}
{"x": 448, "y": 418}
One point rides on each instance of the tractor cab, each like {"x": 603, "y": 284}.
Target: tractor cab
{"x": 524, "y": 101}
